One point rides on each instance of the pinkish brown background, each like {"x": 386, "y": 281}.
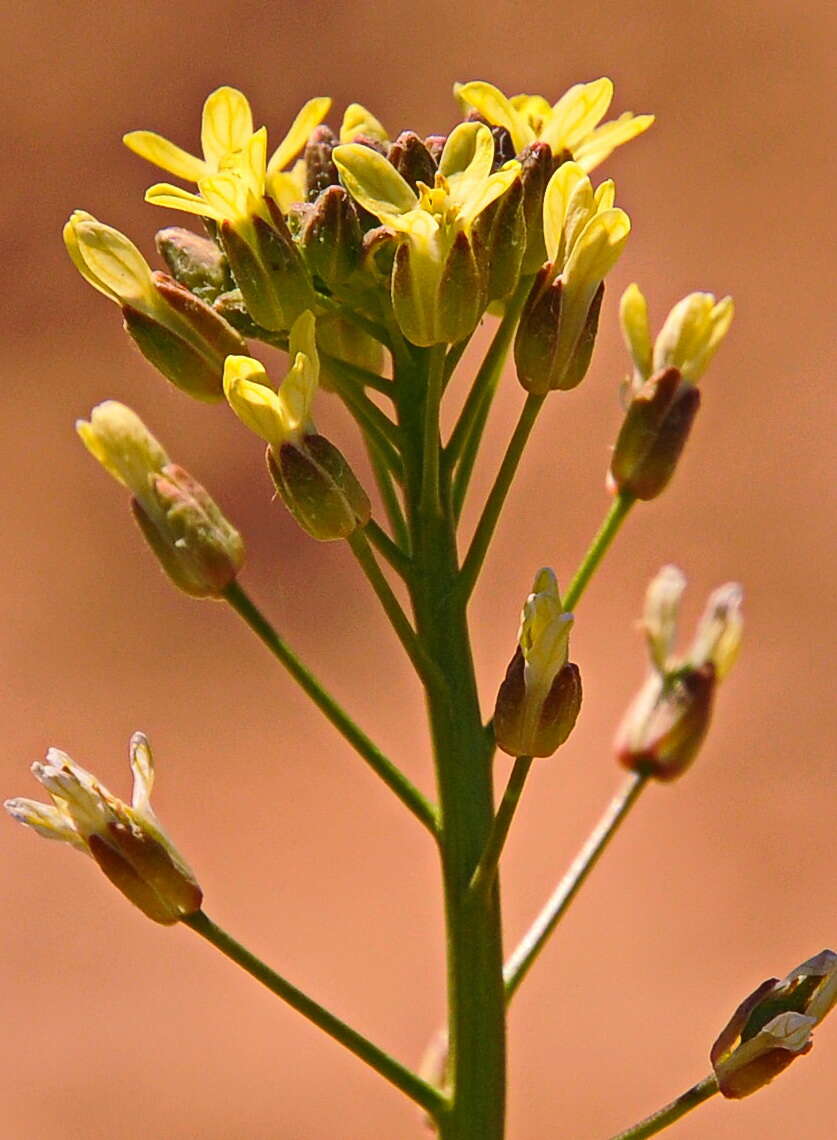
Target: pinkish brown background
{"x": 116, "y": 1028}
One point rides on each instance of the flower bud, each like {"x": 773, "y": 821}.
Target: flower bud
{"x": 665, "y": 725}
{"x": 320, "y": 171}
{"x": 331, "y": 238}
{"x": 313, "y": 479}
{"x": 197, "y": 547}
{"x": 412, "y": 160}
{"x": 175, "y": 330}
{"x": 501, "y": 230}
{"x": 536, "y": 169}
{"x": 196, "y": 262}
{"x": 653, "y": 434}
{"x": 539, "y": 356}
{"x": 126, "y": 842}
{"x": 540, "y": 698}
{"x": 773, "y": 1026}
{"x": 268, "y": 269}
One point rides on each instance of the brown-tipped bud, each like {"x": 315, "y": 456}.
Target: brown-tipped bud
{"x": 773, "y": 1026}
{"x": 521, "y": 730}
{"x": 378, "y": 252}
{"x": 545, "y": 359}
{"x": 537, "y": 165}
{"x": 654, "y": 433}
{"x": 183, "y": 337}
{"x": 319, "y": 488}
{"x": 195, "y": 261}
{"x": 197, "y": 547}
{"x": 435, "y": 145}
{"x": 413, "y": 161}
{"x": 503, "y": 146}
{"x": 331, "y": 238}
{"x": 320, "y": 171}
{"x": 666, "y": 723}
{"x": 501, "y": 229}
{"x": 269, "y": 271}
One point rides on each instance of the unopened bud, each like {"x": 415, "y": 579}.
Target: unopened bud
{"x": 269, "y": 270}
{"x": 197, "y": 547}
{"x": 544, "y": 360}
{"x": 331, "y": 238}
{"x": 320, "y": 171}
{"x": 537, "y": 165}
{"x": 413, "y": 161}
{"x": 195, "y": 261}
{"x": 540, "y": 698}
{"x": 501, "y": 229}
{"x": 653, "y": 435}
{"x": 435, "y": 304}
{"x": 773, "y": 1026}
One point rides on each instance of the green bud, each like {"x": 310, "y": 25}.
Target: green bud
{"x": 522, "y": 731}
{"x": 654, "y": 433}
{"x": 543, "y": 362}
{"x": 269, "y": 271}
{"x": 439, "y": 304}
{"x": 183, "y": 337}
{"x": 318, "y": 487}
{"x": 195, "y": 261}
{"x": 331, "y": 238}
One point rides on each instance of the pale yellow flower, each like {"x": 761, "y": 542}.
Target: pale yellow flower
{"x": 571, "y": 127}
{"x": 688, "y": 340}
{"x": 127, "y": 842}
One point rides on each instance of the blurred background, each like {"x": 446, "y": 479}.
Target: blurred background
{"x": 117, "y": 1028}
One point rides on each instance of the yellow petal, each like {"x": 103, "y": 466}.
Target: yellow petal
{"x": 48, "y": 820}
{"x": 568, "y": 185}
{"x": 287, "y": 187}
{"x": 496, "y": 109}
{"x": 111, "y": 263}
{"x": 633, "y": 317}
{"x": 576, "y": 114}
{"x": 142, "y": 765}
{"x": 256, "y": 405}
{"x": 373, "y": 182}
{"x": 601, "y": 142}
{"x": 227, "y": 124}
{"x": 311, "y": 115}
{"x": 166, "y": 155}
{"x": 175, "y": 198}
{"x": 357, "y": 120}
{"x": 120, "y": 441}
{"x": 594, "y": 254}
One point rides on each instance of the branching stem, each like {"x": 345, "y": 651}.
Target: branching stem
{"x": 490, "y": 859}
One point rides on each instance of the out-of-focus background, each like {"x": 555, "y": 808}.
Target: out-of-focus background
{"x": 114, "y": 1027}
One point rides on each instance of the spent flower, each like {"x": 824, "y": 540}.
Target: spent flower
{"x": 197, "y": 547}
{"x": 665, "y": 725}
{"x": 127, "y": 842}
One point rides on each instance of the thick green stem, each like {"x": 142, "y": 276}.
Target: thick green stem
{"x": 390, "y": 550}
{"x": 598, "y": 548}
{"x": 530, "y": 946}
{"x": 497, "y": 496}
{"x": 392, "y": 776}
{"x": 490, "y": 859}
{"x": 429, "y": 1098}
{"x": 476, "y": 1005}
{"x": 661, "y": 1119}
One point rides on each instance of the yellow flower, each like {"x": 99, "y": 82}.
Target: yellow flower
{"x": 540, "y": 698}
{"x": 186, "y": 339}
{"x": 196, "y": 545}
{"x": 282, "y": 416}
{"x": 226, "y": 136}
{"x": 358, "y": 121}
{"x": 127, "y": 842}
{"x": 585, "y": 235}
{"x": 571, "y": 127}
{"x": 688, "y": 340}
{"x": 311, "y": 476}
{"x": 437, "y": 287}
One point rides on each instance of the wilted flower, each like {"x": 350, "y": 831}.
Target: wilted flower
{"x": 664, "y": 726}
{"x": 196, "y": 546}
{"x": 540, "y": 698}
{"x": 773, "y": 1026}
{"x": 127, "y": 842}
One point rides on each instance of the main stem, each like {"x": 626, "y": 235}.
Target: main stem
{"x": 476, "y": 1003}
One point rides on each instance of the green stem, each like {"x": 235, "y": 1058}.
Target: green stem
{"x": 476, "y": 1007}
{"x": 598, "y": 548}
{"x": 424, "y": 1095}
{"x": 390, "y": 550}
{"x": 497, "y": 496}
{"x": 359, "y": 377}
{"x": 661, "y": 1119}
{"x": 426, "y": 669}
{"x": 392, "y": 776}
{"x": 490, "y": 859}
{"x": 430, "y": 487}
{"x": 454, "y": 355}
{"x": 376, "y": 427}
{"x": 389, "y": 496}
{"x": 376, "y": 331}
{"x": 530, "y": 946}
